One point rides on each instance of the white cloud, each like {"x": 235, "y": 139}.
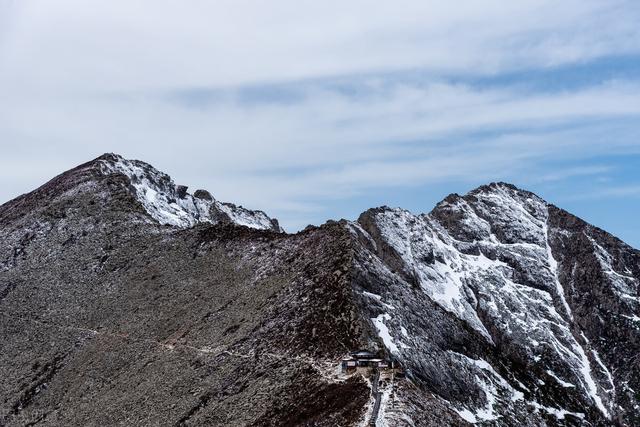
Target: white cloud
{"x": 612, "y": 192}
{"x": 334, "y": 145}
{"x": 82, "y": 77}
{"x": 579, "y": 171}
{"x": 117, "y": 45}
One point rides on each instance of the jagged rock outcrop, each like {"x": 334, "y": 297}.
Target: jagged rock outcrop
{"x": 125, "y": 300}
{"x": 171, "y": 204}
{"x": 511, "y": 310}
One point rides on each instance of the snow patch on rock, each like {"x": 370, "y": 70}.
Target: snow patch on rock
{"x": 494, "y": 386}
{"x": 557, "y": 412}
{"x": 559, "y": 381}
{"x": 383, "y": 332}
{"x": 158, "y": 195}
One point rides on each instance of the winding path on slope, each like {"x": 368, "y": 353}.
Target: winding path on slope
{"x": 378, "y": 396}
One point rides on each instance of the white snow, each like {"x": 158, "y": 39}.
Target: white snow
{"x": 384, "y": 403}
{"x": 604, "y": 369}
{"x": 156, "y": 193}
{"x": 479, "y": 280}
{"x": 626, "y": 286}
{"x": 590, "y": 384}
{"x": 413, "y": 238}
{"x": 560, "y": 381}
{"x": 553, "y": 266}
{"x": 466, "y": 415}
{"x": 383, "y": 332}
{"x": 159, "y": 205}
{"x": 633, "y": 318}
{"x": 494, "y": 387}
{"x": 242, "y": 216}
{"x": 357, "y": 230}
{"x": 557, "y": 412}
{"x": 372, "y": 295}
{"x": 379, "y": 298}
{"x": 481, "y": 414}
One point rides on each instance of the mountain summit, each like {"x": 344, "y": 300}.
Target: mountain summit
{"x": 126, "y": 300}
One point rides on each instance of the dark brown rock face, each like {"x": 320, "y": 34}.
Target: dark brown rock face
{"x": 124, "y": 300}
{"x": 203, "y": 194}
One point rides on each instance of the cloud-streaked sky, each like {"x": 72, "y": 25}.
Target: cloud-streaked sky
{"x": 314, "y": 110}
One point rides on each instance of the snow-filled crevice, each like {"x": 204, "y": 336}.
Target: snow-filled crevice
{"x": 383, "y": 332}
{"x": 588, "y": 380}
{"x": 553, "y": 267}
{"x": 496, "y": 389}
{"x": 625, "y": 286}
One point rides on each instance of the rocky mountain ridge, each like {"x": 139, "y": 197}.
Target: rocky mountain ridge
{"x": 171, "y": 204}
{"x": 126, "y": 300}
{"x": 551, "y": 304}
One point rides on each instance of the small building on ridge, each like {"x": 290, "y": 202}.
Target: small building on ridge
{"x": 366, "y": 360}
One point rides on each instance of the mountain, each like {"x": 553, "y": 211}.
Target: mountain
{"x": 125, "y": 300}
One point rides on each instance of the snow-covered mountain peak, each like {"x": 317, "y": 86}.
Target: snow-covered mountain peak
{"x": 500, "y": 260}
{"x": 498, "y": 308}
{"x": 171, "y": 204}
{"x": 516, "y": 216}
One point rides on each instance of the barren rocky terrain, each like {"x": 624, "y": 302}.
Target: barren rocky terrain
{"x": 126, "y": 300}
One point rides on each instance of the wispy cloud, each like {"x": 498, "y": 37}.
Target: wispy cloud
{"x": 287, "y": 106}
{"x": 573, "y": 172}
{"x": 138, "y": 44}
{"x": 632, "y": 190}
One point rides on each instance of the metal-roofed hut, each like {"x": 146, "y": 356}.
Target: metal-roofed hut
{"x": 364, "y": 359}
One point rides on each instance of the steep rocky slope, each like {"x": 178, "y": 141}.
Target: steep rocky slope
{"x": 108, "y": 317}
{"x": 510, "y": 310}
{"x": 125, "y": 300}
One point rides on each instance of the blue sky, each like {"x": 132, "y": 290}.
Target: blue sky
{"x": 317, "y": 110}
